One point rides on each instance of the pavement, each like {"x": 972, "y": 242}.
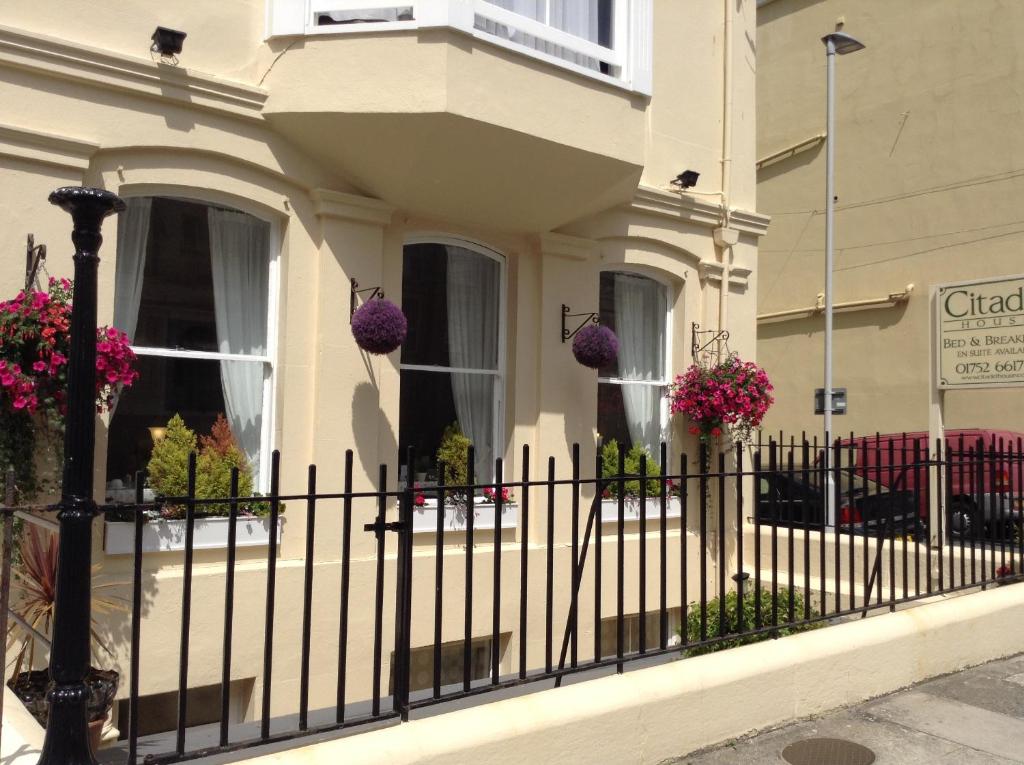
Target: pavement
{"x": 972, "y": 716}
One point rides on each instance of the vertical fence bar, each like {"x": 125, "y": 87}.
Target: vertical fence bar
{"x": 599, "y": 492}
{"x": 524, "y": 560}
{"x": 821, "y": 478}
{"x": 904, "y": 567}
{"x": 758, "y": 502}
{"x": 663, "y": 551}
{"x": 891, "y": 528}
{"x": 805, "y": 479}
{"x": 575, "y": 569}
{"x": 851, "y": 466}
{"x": 978, "y": 470}
{"x": 268, "y": 644}
{"x": 403, "y": 592}
{"x": 186, "y": 606}
{"x": 620, "y": 528}
{"x": 549, "y": 595}
{"x": 133, "y": 689}
{"x": 307, "y": 598}
{"x": 740, "y": 576}
{"x": 346, "y": 556}
{"x": 499, "y": 508}
{"x": 995, "y": 491}
{"x": 229, "y": 609}
{"x": 1018, "y": 504}
{"x": 938, "y": 516}
{"x": 467, "y": 630}
{"x": 791, "y": 524}
{"x": 703, "y": 487}
{"x": 837, "y": 499}
{"x": 684, "y": 495}
{"x": 5, "y": 583}
{"x": 773, "y": 503}
{"x": 723, "y": 625}
{"x": 378, "y": 612}
{"x": 917, "y": 499}
{"x": 642, "y": 558}
{"x": 438, "y": 580}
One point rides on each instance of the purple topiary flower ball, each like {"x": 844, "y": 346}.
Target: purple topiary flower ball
{"x": 595, "y": 346}
{"x": 379, "y": 326}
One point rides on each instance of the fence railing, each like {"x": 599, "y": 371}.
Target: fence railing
{"x": 389, "y": 623}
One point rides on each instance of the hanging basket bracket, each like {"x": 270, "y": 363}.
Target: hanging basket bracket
{"x": 375, "y": 292}
{"x": 568, "y": 334}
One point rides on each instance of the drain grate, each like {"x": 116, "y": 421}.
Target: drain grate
{"x": 827, "y": 751}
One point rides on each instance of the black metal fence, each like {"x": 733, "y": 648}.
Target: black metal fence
{"x": 754, "y": 542}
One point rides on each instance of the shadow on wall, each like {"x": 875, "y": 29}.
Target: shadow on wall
{"x": 373, "y": 437}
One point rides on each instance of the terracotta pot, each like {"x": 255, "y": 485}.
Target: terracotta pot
{"x": 95, "y": 733}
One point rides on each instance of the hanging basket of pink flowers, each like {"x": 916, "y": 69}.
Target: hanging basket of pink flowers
{"x": 35, "y": 342}
{"x": 732, "y": 394}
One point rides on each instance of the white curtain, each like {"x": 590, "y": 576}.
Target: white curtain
{"x": 577, "y": 17}
{"x": 239, "y": 252}
{"x": 473, "y": 287}
{"x": 132, "y": 235}
{"x": 403, "y": 13}
{"x": 640, "y": 311}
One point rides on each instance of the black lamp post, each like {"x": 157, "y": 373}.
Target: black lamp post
{"x": 67, "y": 740}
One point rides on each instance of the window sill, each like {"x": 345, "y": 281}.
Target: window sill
{"x": 424, "y": 519}
{"x": 169, "y": 536}
{"x": 631, "y": 511}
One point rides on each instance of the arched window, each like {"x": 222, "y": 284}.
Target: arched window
{"x": 631, "y": 393}
{"x": 452, "y": 360}
{"x": 193, "y": 290}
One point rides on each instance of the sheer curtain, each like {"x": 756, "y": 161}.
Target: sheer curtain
{"x": 239, "y": 251}
{"x": 473, "y": 285}
{"x": 577, "y": 17}
{"x": 132, "y": 236}
{"x": 640, "y": 311}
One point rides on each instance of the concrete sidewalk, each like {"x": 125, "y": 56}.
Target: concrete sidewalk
{"x": 972, "y": 716}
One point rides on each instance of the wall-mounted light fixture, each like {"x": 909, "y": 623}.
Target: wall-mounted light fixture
{"x": 167, "y": 42}
{"x": 686, "y": 179}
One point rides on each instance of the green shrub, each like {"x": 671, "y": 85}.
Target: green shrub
{"x": 453, "y": 454}
{"x": 749, "y": 619}
{"x": 610, "y": 467}
{"x": 217, "y": 454}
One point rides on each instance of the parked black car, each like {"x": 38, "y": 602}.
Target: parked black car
{"x": 797, "y": 500}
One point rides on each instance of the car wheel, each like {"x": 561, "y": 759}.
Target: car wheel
{"x": 961, "y": 518}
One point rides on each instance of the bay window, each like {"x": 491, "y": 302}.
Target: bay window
{"x": 452, "y": 359}
{"x": 193, "y": 293}
{"x": 631, "y": 392}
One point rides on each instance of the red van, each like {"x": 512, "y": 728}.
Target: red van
{"x": 985, "y": 475}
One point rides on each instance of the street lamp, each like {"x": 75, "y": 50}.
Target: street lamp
{"x": 841, "y": 44}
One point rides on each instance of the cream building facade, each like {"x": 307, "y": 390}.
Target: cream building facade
{"x": 481, "y": 177}
{"x": 929, "y": 189}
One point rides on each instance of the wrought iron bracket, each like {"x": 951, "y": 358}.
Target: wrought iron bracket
{"x": 375, "y": 292}
{"x": 35, "y": 254}
{"x": 568, "y": 334}
{"x": 379, "y": 526}
{"x": 698, "y": 344}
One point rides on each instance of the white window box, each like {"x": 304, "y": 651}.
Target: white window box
{"x": 424, "y": 519}
{"x": 167, "y": 536}
{"x": 610, "y": 509}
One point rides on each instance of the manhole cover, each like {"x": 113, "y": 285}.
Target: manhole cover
{"x": 827, "y": 751}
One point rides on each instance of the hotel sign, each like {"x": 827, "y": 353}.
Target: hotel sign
{"x": 981, "y": 333}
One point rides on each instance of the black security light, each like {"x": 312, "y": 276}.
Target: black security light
{"x": 167, "y": 42}
{"x": 686, "y": 179}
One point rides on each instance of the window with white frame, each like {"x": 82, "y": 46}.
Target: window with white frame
{"x": 631, "y": 392}
{"x": 587, "y": 20}
{"x": 607, "y": 39}
{"x": 452, "y": 359}
{"x": 193, "y": 291}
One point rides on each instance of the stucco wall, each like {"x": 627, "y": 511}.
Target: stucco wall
{"x": 928, "y": 191}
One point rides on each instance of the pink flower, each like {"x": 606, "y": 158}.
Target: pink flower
{"x": 39, "y": 366}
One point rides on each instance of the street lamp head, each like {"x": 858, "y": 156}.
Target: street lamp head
{"x": 842, "y": 43}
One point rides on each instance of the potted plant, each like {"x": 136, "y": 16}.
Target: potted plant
{"x": 631, "y": 486}
{"x": 34, "y": 580}
{"x": 217, "y": 454}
